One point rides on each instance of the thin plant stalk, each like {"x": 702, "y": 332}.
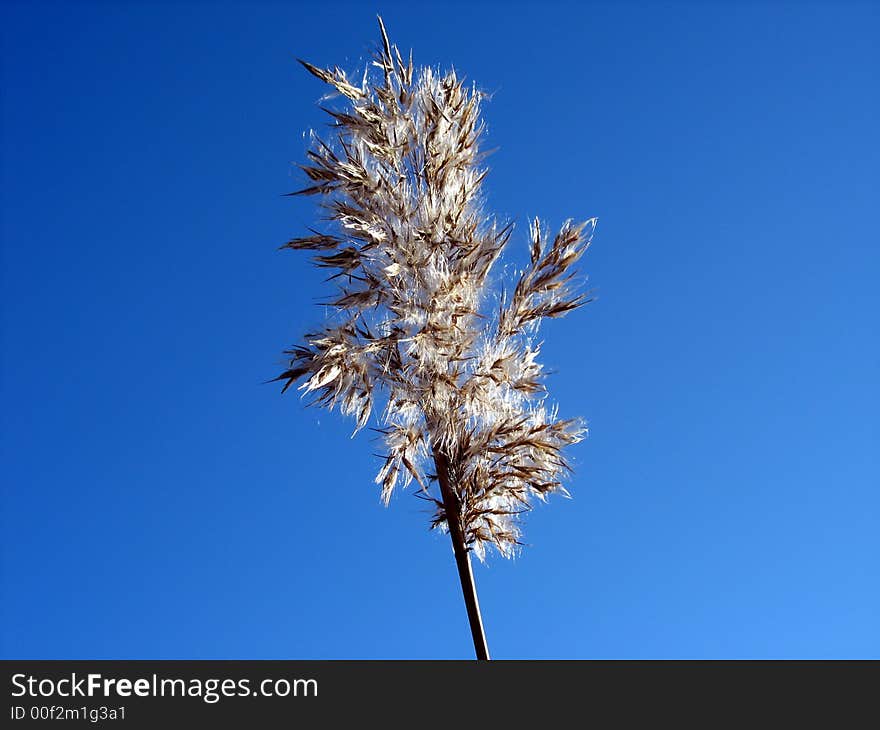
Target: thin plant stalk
{"x": 462, "y": 556}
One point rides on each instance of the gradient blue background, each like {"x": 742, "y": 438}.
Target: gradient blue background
{"x": 160, "y": 502}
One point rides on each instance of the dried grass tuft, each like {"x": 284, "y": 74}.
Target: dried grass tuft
{"x": 410, "y": 249}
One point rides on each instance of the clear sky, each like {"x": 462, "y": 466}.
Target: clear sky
{"x": 159, "y": 501}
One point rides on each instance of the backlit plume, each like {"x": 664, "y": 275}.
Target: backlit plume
{"x": 421, "y": 333}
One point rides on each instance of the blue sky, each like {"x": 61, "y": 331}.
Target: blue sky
{"x": 160, "y": 502}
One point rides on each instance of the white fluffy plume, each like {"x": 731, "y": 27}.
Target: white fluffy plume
{"x": 416, "y": 333}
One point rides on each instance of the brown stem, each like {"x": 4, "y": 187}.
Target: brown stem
{"x": 462, "y": 557}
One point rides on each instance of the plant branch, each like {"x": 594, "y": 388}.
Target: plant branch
{"x": 462, "y": 557}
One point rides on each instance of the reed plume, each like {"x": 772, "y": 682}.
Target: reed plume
{"x": 421, "y": 333}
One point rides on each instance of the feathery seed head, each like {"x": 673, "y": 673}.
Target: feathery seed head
{"x": 411, "y": 249}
